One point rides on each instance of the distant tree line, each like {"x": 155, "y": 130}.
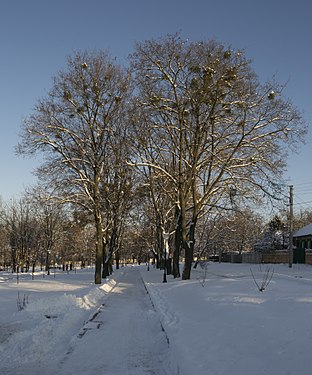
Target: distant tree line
{"x": 36, "y": 235}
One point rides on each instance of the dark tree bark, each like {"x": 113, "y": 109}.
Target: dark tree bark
{"x": 177, "y": 245}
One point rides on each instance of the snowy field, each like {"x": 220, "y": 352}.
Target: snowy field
{"x": 217, "y": 323}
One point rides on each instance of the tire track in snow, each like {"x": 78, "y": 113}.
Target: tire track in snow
{"x": 160, "y": 305}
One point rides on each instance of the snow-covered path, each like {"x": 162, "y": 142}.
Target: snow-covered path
{"x": 119, "y": 340}
{"x": 217, "y": 323}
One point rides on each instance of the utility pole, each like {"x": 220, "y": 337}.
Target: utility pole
{"x": 291, "y": 224}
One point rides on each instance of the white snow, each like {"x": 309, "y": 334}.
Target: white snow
{"x": 216, "y": 323}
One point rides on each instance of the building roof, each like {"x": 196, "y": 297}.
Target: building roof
{"x": 305, "y": 231}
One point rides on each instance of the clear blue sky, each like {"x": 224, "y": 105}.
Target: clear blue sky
{"x": 37, "y": 35}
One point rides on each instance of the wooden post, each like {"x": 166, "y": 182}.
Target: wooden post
{"x": 291, "y": 226}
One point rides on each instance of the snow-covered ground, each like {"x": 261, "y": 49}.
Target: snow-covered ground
{"x": 216, "y": 323}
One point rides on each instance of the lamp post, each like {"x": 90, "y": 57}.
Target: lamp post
{"x": 166, "y": 240}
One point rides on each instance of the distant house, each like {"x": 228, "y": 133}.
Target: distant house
{"x": 303, "y": 237}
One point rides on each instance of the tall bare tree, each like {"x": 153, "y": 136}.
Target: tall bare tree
{"x": 73, "y": 127}
{"x": 117, "y": 196}
{"x": 211, "y": 128}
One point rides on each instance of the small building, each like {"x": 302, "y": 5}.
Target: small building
{"x": 303, "y": 237}
{"x": 302, "y": 240}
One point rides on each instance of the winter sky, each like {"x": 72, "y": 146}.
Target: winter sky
{"x": 38, "y": 35}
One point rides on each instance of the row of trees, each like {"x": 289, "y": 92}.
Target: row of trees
{"x": 183, "y": 133}
{"x": 33, "y": 233}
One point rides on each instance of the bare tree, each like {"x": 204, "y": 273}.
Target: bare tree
{"x": 230, "y": 231}
{"x": 73, "y": 127}
{"x": 211, "y": 128}
{"x": 5, "y": 258}
{"x": 51, "y": 219}
{"x": 21, "y": 227}
{"x": 118, "y": 197}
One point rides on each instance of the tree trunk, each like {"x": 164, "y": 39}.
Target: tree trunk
{"x": 117, "y": 260}
{"x": 99, "y": 233}
{"x": 156, "y": 257}
{"x": 186, "y": 274}
{"x": 98, "y": 259}
{"x": 110, "y": 266}
{"x": 192, "y": 234}
{"x": 105, "y": 271}
{"x": 177, "y": 245}
{"x": 108, "y": 254}
{"x": 169, "y": 266}
{"x": 189, "y": 246}
{"x": 47, "y": 265}
{"x": 160, "y": 246}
